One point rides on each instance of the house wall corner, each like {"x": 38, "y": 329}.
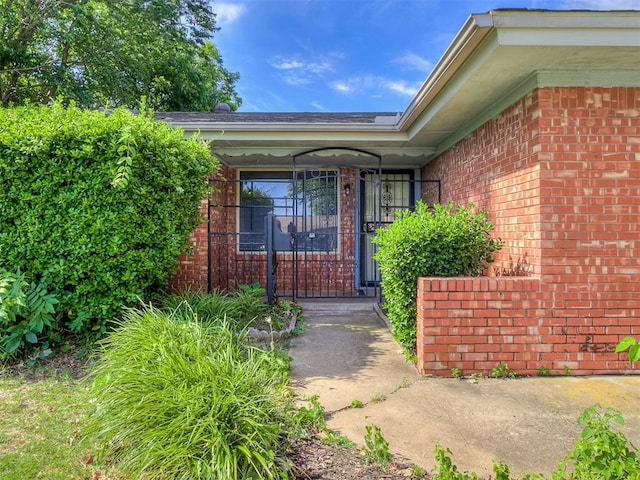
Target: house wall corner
{"x": 559, "y": 174}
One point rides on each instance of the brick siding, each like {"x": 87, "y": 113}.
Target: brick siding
{"x": 559, "y": 174}
{"x": 192, "y": 270}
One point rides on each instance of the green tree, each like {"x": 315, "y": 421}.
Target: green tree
{"x": 112, "y": 53}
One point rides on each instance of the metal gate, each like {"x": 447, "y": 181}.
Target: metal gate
{"x": 307, "y": 233}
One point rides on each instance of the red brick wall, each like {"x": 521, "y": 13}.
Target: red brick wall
{"x": 559, "y": 173}
{"x": 192, "y": 269}
{"x": 496, "y": 168}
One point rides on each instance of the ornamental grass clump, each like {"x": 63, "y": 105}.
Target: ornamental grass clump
{"x": 179, "y": 400}
{"x": 239, "y": 308}
{"x": 443, "y": 242}
{"x": 208, "y": 308}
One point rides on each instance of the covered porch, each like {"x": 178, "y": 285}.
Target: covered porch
{"x": 301, "y": 225}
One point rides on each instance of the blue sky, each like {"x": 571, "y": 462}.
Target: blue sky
{"x": 347, "y": 55}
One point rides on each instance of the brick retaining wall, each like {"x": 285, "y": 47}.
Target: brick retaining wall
{"x": 475, "y": 323}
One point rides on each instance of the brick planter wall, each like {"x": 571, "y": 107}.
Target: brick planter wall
{"x": 559, "y": 173}
{"x": 474, "y": 324}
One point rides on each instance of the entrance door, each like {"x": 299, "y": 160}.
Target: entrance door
{"x": 383, "y": 194}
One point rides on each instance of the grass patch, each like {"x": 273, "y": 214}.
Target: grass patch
{"x": 40, "y": 429}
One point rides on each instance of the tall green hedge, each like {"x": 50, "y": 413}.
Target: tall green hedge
{"x": 96, "y": 206}
{"x": 444, "y": 242}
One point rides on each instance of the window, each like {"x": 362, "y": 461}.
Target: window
{"x": 305, "y": 204}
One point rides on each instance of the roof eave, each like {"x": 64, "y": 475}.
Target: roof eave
{"x": 465, "y": 42}
{"x": 286, "y": 127}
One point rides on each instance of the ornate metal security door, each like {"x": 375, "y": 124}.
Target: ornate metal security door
{"x": 383, "y": 194}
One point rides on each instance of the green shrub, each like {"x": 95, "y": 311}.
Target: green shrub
{"x": 445, "y": 242}
{"x": 101, "y": 205}
{"x": 600, "y": 452}
{"x": 176, "y": 399}
{"x": 26, "y": 313}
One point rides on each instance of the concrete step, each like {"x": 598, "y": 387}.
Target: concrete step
{"x": 337, "y": 306}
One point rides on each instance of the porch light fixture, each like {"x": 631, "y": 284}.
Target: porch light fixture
{"x": 347, "y": 189}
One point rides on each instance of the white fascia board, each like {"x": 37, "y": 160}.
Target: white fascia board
{"x": 565, "y": 19}
{"x": 575, "y": 37}
{"x": 269, "y": 136}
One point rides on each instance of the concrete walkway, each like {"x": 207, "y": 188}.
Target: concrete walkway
{"x": 346, "y": 354}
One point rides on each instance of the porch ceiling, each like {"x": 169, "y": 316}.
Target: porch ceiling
{"x": 495, "y": 59}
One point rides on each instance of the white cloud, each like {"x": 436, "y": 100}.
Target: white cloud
{"x": 601, "y": 4}
{"x": 372, "y": 85}
{"x": 413, "y": 61}
{"x": 304, "y": 66}
{"x": 318, "y": 106}
{"x": 296, "y": 80}
{"x": 402, "y": 87}
{"x": 227, "y": 13}
{"x": 281, "y": 64}
{"x": 296, "y": 70}
{"x": 319, "y": 67}
{"x": 342, "y": 87}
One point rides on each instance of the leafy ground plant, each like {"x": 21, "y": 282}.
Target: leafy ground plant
{"x": 176, "y": 399}
{"x": 308, "y": 419}
{"x": 376, "y": 447}
{"x": 502, "y": 370}
{"x": 600, "y": 452}
{"x": 26, "y": 313}
{"x": 631, "y": 344}
{"x": 445, "y": 469}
